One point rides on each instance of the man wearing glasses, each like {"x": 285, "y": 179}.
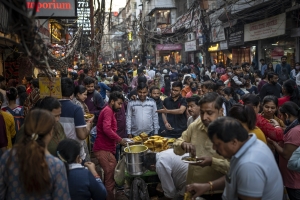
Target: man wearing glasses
{"x": 173, "y": 112}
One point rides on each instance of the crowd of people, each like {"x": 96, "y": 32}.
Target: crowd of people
{"x": 241, "y": 124}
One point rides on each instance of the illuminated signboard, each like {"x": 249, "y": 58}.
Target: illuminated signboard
{"x": 83, "y": 12}
{"x": 54, "y": 8}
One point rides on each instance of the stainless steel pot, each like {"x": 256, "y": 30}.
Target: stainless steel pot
{"x": 135, "y": 158}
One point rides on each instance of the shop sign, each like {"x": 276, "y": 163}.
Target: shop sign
{"x": 277, "y": 52}
{"x": 266, "y": 28}
{"x": 168, "y": 47}
{"x": 53, "y": 8}
{"x": 214, "y": 47}
{"x": 55, "y": 31}
{"x": 223, "y": 45}
{"x": 236, "y": 36}
{"x": 217, "y": 34}
{"x": 50, "y": 87}
{"x": 190, "y": 46}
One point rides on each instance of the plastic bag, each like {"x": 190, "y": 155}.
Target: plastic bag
{"x": 119, "y": 175}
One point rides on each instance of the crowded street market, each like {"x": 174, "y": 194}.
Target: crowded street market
{"x": 149, "y": 100}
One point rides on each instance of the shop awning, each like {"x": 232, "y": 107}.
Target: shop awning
{"x": 168, "y": 47}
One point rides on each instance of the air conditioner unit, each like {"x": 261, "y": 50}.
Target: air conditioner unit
{"x": 158, "y": 30}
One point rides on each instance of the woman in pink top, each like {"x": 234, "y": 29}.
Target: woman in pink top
{"x": 194, "y": 90}
{"x": 290, "y": 93}
{"x": 290, "y": 114}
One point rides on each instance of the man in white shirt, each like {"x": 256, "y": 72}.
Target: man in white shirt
{"x": 214, "y": 66}
{"x": 171, "y": 171}
{"x": 151, "y": 72}
{"x": 193, "y": 108}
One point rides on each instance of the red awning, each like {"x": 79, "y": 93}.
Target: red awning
{"x": 168, "y": 47}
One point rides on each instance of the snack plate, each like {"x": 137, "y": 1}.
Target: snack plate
{"x": 128, "y": 140}
{"x": 190, "y": 162}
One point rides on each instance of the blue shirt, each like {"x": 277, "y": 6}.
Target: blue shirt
{"x": 103, "y": 88}
{"x": 72, "y": 117}
{"x": 83, "y": 185}
{"x": 253, "y": 173}
{"x": 279, "y": 69}
{"x": 263, "y": 69}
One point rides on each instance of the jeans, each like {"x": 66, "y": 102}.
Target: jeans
{"x": 294, "y": 194}
{"x": 108, "y": 163}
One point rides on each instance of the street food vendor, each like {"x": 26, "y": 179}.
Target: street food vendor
{"x": 195, "y": 141}
{"x": 171, "y": 171}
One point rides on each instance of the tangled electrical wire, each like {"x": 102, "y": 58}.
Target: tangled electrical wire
{"x": 39, "y": 54}
{"x": 23, "y": 25}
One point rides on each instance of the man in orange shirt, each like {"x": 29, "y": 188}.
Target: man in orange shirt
{"x": 225, "y": 77}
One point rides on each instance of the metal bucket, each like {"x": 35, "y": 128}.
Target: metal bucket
{"x": 135, "y": 159}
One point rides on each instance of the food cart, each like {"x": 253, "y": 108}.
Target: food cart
{"x": 142, "y": 181}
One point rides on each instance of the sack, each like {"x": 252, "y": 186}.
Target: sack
{"x": 119, "y": 175}
{"x": 139, "y": 190}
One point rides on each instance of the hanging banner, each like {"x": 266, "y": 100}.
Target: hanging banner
{"x": 190, "y": 46}
{"x": 217, "y": 34}
{"x": 266, "y": 28}
{"x": 50, "y": 88}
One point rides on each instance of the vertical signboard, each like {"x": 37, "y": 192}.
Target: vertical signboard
{"x": 236, "y": 36}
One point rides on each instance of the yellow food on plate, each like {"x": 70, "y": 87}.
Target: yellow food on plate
{"x": 187, "y": 196}
{"x": 155, "y": 137}
{"x": 137, "y": 139}
{"x": 150, "y": 145}
{"x": 143, "y": 134}
{"x": 88, "y": 116}
{"x": 171, "y": 140}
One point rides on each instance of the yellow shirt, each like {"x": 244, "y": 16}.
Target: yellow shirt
{"x": 196, "y": 134}
{"x": 259, "y": 134}
{"x": 134, "y": 73}
{"x": 10, "y": 127}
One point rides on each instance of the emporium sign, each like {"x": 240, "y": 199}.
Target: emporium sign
{"x": 266, "y": 28}
{"x": 53, "y": 8}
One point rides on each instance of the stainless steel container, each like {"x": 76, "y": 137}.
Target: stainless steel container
{"x": 135, "y": 158}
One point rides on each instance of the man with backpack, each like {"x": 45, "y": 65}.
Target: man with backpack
{"x": 94, "y": 100}
{"x": 283, "y": 70}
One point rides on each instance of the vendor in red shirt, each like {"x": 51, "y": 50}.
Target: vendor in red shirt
{"x": 226, "y": 77}
{"x": 290, "y": 93}
{"x": 107, "y": 139}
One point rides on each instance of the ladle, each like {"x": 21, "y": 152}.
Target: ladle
{"x": 128, "y": 147}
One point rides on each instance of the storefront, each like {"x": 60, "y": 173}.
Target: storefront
{"x": 269, "y": 39}
{"x": 168, "y": 53}
{"x": 219, "y": 52}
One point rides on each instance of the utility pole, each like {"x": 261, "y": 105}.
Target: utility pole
{"x": 94, "y": 55}
{"x": 206, "y": 33}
